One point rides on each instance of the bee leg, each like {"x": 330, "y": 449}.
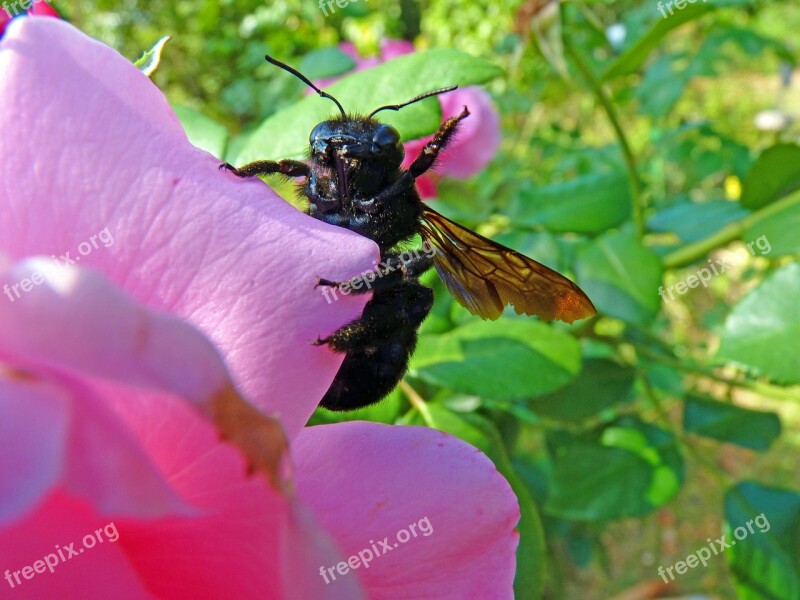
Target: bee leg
{"x": 424, "y": 161}
{"x": 378, "y": 346}
{"x": 290, "y": 168}
{"x": 431, "y": 151}
{"x": 392, "y": 271}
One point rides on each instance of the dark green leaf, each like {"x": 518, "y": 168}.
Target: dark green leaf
{"x": 502, "y": 360}
{"x": 600, "y": 384}
{"x": 285, "y": 134}
{"x": 587, "y": 204}
{"x": 774, "y": 175}
{"x": 728, "y": 423}
{"x": 621, "y": 276}
{"x": 693, "y": 221}
{"x": 627, "y": 470}
{"x": 778, "y": 232}
{"x": 765, "y": 562}
{"x": 762, "y": 330}
{"x": 325, "y": 62}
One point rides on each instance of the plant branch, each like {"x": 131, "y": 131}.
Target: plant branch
{"x": 637, "y": 202}
{"x": 733, "y": 231}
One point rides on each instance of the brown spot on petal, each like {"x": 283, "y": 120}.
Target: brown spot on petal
{"x": 10, "y": 372}
{"x": 259, "y": 437}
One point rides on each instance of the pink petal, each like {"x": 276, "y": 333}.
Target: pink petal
{"x": 43, "y": 8}
{"x": 392, "y": 48}
{"x": 93, "y": 573}
{"x": 33, "y": 438}
{"x": 398, "y": 476}
{"x": 478, "y": 137}
{"x": 91, "y": 146}
{"x": 200, "y": 551}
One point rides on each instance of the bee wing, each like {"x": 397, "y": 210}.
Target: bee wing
{"x": 484, "y": 276}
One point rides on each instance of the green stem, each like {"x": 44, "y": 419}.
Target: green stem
{"x": 637, "y": 203}
{"x": 418, "y": 403}
{"x": 723, "y": 479}
{"x": 691, "y": 253}
{"x": 765, "y": 389}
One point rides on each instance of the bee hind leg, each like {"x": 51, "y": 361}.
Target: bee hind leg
{"x": 378, "y": 346}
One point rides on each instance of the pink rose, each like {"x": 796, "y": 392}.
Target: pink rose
{"x": 172, "y": 303}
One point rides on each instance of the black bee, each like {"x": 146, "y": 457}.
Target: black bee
{"x": 354, "y": 180}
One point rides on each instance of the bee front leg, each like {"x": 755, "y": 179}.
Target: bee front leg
{"x": 423, "y": 162}
{"x": 431, "y": 151}
{"x": 290, "y": 168}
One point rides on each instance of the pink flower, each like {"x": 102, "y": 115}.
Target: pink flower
{"x": 478, "y": 137}
{"x": 187, "y": 291}
{"x": 9, "y": 10}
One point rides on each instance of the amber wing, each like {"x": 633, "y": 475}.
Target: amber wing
{"x": 485, "y": 276}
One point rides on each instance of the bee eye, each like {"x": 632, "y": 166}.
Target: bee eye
{"x": 385, "y": 137}
{"x": 317, "y": 133}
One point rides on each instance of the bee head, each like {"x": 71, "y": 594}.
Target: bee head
{"x": 356, "y": 137}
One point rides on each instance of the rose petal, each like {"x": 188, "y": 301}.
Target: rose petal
{"x": 395, "y": 477}
{"x": 33, "y": 437}
{"x": 95, "y": 573}
{"x": 478, "y": 137}
{"x": 102, "y": 151}
{"x": 391, "y": 48}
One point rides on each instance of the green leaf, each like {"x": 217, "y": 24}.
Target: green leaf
{"x": 285, "y": 134}
{"x": 778, "y": 232}
{"x": 728, "y": 423}
{"x": 502, "y": 360}
{"x": 694, "y": 221}
{"x": 628, "y": 470}
{"x": 586, "y": 204}
{"x": 325, "y": 62}
{"x": 481, "y": 433}
{"x": 621, "y": 276}
{"x": 762, "y": 330}
{"x": 765, "y": 562}
{"x": 600, "y": 384}
{"x": 386, "y": 411}
{"x": 640, "y": 50}
{"x": 150, "y": 60}
{"x": 774, "y": 175}
{"x": 202, "y": 131}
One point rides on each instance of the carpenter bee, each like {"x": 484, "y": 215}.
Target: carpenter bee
{"x": 354, "y": 179}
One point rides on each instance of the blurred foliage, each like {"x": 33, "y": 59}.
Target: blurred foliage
{"x": 632, "y": 162}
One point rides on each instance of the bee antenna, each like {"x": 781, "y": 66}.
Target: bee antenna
{"x": 417, "y": 99}
{"x": 305, "y": 80}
